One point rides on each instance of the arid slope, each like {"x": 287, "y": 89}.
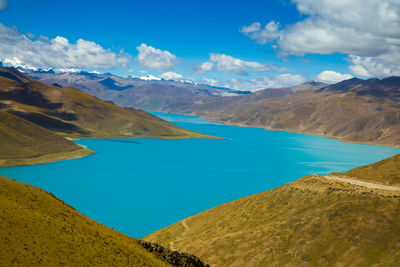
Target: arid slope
{"x": 312, "y": 221}
{"x": 37, "y": 229}
{"x": 353, "y": 111}
{"x": 25, "y": 143}
{"x": 386, "y": 172}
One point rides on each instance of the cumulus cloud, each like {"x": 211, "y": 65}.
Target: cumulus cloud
{"x": 210, "y": 81}
{"x": 3, "y": 4}
{"x": 154, "y": 58}
{"x": 366, "y": 30}
{"x": 206, "y": 67}
{"x": 229, "y": 64}
{"x": 261, "y": 35}
{"x": 329, "y": 76}
{"x": 71, "y": 70}
{"x": 170, "y": 75}
{"x": 278, "y": 81}
{"x": 373, "y": 67}
{"x": 16, "y": 49}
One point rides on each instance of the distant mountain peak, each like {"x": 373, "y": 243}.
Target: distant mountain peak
{"x": 149, "y": 78}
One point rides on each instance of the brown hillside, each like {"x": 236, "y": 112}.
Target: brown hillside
{"x": 37, "y": 229}
{"x": 74, "y": 113}
{"x": 347, "y": 116}
{"x": 386, "y": 171}
{"x": 310, "y": 222}
{"x": 25, "y": 143}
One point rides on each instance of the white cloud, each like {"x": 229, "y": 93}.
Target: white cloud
{"x": 30, "y": 35}
{"x": 170, "y": 75}
{"x": 17, "y": 49}
{"x": 366, "y": 30}
{"x": 154, "y": 58}
{"x": 278, "y": 81}
{"x": 229, "y": 64}
{"x": 70, "y": 70}
{"x": 3, "y": 4}
{"x": 373, "y": 67}
{"x": 210, "y": 81}
{"x": 261, "y": 35}
{"x": 329, "y": 76}
{"x": 206, "y": 67}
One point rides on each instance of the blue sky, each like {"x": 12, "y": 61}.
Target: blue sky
{"x": 303, "y": 40}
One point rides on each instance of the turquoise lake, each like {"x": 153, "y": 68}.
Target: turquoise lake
{"x": 137, "y": 186}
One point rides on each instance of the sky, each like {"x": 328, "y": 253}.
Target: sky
{"x": 244, "y": 45}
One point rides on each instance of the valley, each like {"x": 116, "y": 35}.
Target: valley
{"x": 199, "y": 133}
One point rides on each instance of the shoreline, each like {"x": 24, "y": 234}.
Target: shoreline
{"x": 49, "y": 158}
{"x": 338, "y": 138}
{"x": 85, "y": 151}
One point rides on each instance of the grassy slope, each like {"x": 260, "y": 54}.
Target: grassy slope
{"x": 74, "y": 113}
{"x": 308, "y": 222}
{"x": 104, "y": 119}
{"x": 386, "y": 171}
{"x": 38, "y": 229}
{"x": 25, "y": 143}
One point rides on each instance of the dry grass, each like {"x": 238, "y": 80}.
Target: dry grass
{"x": 25, "y": 143}
{"x": 386, "y": 171}
{"x": 37, "y": 229}
{"x": 312, "y": 221}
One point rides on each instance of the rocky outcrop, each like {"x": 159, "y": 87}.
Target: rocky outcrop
{"x": 175, "y": 258}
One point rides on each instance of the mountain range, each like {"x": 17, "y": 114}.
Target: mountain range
{"x": 354, "y": 110}
{"x": 36, "y": 118}
{"x": 149, "y": 93}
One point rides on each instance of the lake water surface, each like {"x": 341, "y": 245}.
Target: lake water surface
{"x": 137, "y": 186}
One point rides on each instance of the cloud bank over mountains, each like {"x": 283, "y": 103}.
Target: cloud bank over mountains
{"x": 17, "y": 49}
{"x": 40, "y": 52}
{"x": 329, "y": 76}
{"x": 259, "y": 83}
{"x": 229, "y": 64}
{"x": 366, "y": 30}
